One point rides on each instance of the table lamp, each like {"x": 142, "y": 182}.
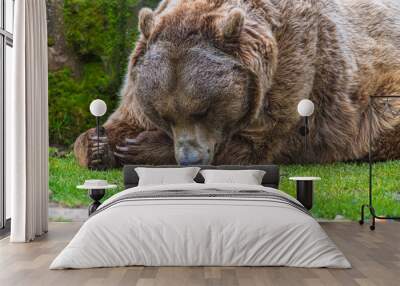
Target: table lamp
{"x": 305, "y": 108}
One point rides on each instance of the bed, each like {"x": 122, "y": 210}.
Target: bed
{"x": 199, "y": 224}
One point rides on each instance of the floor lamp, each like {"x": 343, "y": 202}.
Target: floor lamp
{"x": 305, "y": 184}
{"x": 370, "y": 202}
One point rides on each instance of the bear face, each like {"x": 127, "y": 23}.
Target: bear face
{"x": 173, "y": 77}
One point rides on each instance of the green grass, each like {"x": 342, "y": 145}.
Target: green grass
{"x": 342, "y": 190}
{"x": 65, "y": 174}
{"x": 344, "y": 187}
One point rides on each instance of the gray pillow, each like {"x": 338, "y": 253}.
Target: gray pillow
{"x": 165, "y": 176}
{"x": 247, "y": 177}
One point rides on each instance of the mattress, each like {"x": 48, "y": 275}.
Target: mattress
{"x": 201, "y": 225}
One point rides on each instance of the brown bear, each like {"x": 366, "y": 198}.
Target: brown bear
{"x": 218, "y": 82}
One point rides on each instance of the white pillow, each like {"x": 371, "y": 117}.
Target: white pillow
{"x": 248, "y": 177}
{"x": 165, "y": 176}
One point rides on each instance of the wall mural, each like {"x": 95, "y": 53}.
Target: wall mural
{"x": 211, "y": 81}
{"x": 220, "y": 82}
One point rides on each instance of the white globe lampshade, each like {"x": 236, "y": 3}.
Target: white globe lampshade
{"x": 98, "y": 107}
{"x": 305, "y": 107}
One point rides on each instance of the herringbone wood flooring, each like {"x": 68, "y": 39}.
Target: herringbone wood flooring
{"x": 375, "y": 257}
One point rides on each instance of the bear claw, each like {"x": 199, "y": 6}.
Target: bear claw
{"x": 99, "y": 152}
{"x": 147, "y": 146}
{"x": 122, "y": 148}
{"x": 132, "y": 141}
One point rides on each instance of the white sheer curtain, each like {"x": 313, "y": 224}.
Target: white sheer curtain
{"x": 27, "y": 124}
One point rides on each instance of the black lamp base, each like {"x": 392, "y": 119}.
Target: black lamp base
{"x": 96, "y": 195}
{"x": 304, "y": 193}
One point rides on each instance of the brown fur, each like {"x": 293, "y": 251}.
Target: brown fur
{"x": 336, "y": 53}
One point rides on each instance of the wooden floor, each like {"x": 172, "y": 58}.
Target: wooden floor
{"x": 375, "y": 257}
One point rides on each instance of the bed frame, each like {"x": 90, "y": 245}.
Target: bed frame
{"x": 271, "y": 177}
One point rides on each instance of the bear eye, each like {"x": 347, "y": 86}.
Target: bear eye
{"x": 199, "y": 115}
{"x": 168, "y": 119}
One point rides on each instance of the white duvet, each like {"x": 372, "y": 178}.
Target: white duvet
{"x": 200, "y": 231}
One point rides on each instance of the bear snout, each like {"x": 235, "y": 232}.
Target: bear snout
{"x": 190, "y": 155}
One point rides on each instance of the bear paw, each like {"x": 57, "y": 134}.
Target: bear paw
{"x": 100, "y": 154}
{"x": 94, "y": 151}
{"x": 148, "y": 148}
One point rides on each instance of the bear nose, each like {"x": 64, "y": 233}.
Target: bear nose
{"x": 189, "y": 155}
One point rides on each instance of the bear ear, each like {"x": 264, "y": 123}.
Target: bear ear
{"x": 232, "y": 24}
{"x": 146, "y": 21}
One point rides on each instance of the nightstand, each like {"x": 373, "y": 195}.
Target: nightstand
{"x": 96, "y": 191}
{"x": 305, "y": 190}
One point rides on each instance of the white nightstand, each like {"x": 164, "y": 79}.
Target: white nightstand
{"x": 96, "y": 191}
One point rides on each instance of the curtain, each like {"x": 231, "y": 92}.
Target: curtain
{"x": 27, "y": 124}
